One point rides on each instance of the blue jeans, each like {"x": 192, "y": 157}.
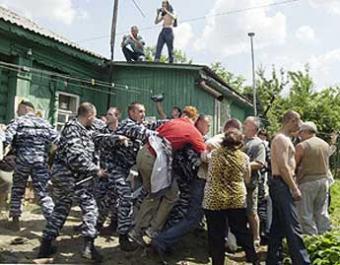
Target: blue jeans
{"x": 169, "y": 237}
{"x": 165, "y": 37}
{"x": 285, "y": 224}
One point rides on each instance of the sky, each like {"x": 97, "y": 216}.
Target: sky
{"x": 288, "y": 33}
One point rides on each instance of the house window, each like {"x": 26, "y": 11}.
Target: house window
{"x": 67, "y": 108}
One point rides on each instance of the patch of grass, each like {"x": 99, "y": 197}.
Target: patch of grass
{"x": 335, "y": 204}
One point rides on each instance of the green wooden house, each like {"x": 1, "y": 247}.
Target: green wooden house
{"x": 56, "y": 75}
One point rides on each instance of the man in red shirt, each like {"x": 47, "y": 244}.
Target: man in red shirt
{"x": 155, "y": 208}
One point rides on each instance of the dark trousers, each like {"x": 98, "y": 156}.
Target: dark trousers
{"x": 167, "y": 238}
{"x": 218, "y": 222}
{"x": 131, "y": 55}
{"x": 165, "y": 37}
{"x": 284, "y": 224}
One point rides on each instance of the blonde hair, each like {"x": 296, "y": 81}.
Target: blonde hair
{"x": 191, "y": 112}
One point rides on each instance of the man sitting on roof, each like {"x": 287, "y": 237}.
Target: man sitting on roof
{"x": 133, "y": 46}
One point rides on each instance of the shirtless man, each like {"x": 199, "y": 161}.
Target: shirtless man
{"x": 283, "y": 192}
{"x": 166, "y": 36}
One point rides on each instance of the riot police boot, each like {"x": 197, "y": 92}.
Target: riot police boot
{"x": 15, "y": 225}
{"x": 89, "y": 250}
{"x": 126, "y": 244}
{"x": 46, "y": 249}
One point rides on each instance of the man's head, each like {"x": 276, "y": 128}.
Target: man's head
{"x": 176, "y": 112}
{"x": 251, "y": 126}
{"x": 291, "y": 121}
{"x": 86, "y": 113}
{"x": 191, "y": 113}
{"x": 308, "y": 129}
{"x": 203, "y": 124}
{"x": 25, "y": 107}
{"x": 134, "y": 31}
{"x": 263, "y": 134}
{"x": 112, "y": 115}
{"x": 165, "y": 4}
{"x": 232, "y": 124}
{"x": 136, "y": 112}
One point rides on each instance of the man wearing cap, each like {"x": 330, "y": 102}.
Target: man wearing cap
{"x": 30, "y": 136}
{"x": 312, "y": 158}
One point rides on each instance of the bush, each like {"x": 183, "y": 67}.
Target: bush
{"x": 324, "y": 249}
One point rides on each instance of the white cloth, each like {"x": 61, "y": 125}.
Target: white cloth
{"x": 161, "y": 172}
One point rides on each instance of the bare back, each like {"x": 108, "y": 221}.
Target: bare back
{"x": 283, "y": 155}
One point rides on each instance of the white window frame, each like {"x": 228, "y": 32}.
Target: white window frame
{"x": 67, "y": 113}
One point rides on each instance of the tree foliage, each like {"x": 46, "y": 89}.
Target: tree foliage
{"x": 236, "y": 82}
{"x": 179, "y": 56}
{"x": 321, "y": 107}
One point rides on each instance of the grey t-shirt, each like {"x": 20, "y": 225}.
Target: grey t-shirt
{"x": 256, "y": 151}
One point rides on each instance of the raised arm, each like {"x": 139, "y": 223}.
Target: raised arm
{"x": 172, "y": 15}
{"x": 160, "y": 110}
{"x": 158, "y": 17}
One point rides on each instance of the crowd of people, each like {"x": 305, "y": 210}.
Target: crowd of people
{"x": 133, "y": 44}
{"x": 157, "y": 181}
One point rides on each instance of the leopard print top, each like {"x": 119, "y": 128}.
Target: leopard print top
{"x": 225, "y": 187}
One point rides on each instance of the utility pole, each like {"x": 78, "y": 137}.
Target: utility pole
{"x": 251, "y": 35}
{"x": 113, "y": 28}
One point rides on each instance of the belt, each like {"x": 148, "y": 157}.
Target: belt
{"x": 277, "y": 177}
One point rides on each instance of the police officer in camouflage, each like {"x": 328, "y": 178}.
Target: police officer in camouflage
{"x": 30, "y": 137}
{"x": 75, "y": 161}
{"x": 119, "y": 163}
{"x": 108, "y": 203}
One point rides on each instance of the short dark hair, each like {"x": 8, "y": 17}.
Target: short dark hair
{"x": 133, "y": 105}
{"x": 178, "y": 109}
{"x": 85, "y": 108}
{"x": 263, "y": 132}
{"x": 233, "y": 139}
{"x": 27, "y": 104}
{"x": 232, "y": 123}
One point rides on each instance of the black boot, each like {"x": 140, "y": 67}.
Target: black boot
{"x": 126, "y": 244}
{"x": 110, "y": 229}
{"x": 89, "y": 251}
{"x": 46, "y": 249}
{"x": 15, "y": 225}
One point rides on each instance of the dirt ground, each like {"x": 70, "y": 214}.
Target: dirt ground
{"x": 192, "y": 250}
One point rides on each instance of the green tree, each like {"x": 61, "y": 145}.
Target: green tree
{"x": 236, "y": 82}
{"x": 321, "y": 107}
{"x": 179, "y": 56}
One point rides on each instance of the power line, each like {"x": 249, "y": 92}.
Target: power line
{"x": 138, "y": 8}
{"x": 236, "y": 11}
{"x": 67, "y": 78}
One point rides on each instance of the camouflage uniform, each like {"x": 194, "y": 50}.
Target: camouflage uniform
{"x": 185, "y": 167}
{"x": 75, "y": 160}
{"x": 104, "y": 200}
{"x": 30, "y": 137}
{"x": 119, "y": 163}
